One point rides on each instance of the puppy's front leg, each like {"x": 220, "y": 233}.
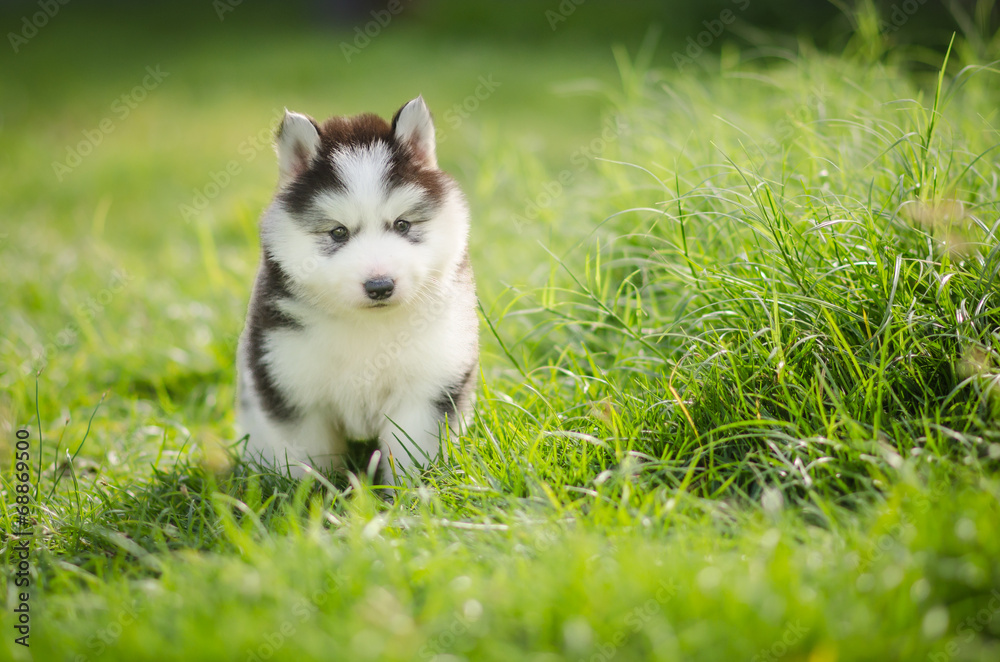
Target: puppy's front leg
{"x": 307, "y": 439}
{"x": 411, "y": 437}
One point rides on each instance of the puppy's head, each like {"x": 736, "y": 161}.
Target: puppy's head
{"x": 364, "y": 219}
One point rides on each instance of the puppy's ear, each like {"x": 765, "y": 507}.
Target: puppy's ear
{"x": 297, "y": 143}
{"x": 413, "y": 126}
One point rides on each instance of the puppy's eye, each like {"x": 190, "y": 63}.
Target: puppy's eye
{"x": 339, "y": 233}
{"x": 401, "y": 226}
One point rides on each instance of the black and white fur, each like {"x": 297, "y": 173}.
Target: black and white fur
{"x": 362, "y": 324}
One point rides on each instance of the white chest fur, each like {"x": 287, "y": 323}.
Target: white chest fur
{"x": 357, "y": 372}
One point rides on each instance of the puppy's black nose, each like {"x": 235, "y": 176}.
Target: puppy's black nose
{"x": 379, "y": 288}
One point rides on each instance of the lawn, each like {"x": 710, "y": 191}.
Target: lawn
{"x": 740, "y": 383}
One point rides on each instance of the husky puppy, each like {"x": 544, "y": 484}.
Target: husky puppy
{"x": 362, "y": 326}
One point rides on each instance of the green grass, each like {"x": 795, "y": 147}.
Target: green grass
{"x": 741, "y": 370}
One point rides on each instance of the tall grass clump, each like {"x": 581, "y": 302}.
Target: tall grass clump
{"x": 796, "y": 279}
